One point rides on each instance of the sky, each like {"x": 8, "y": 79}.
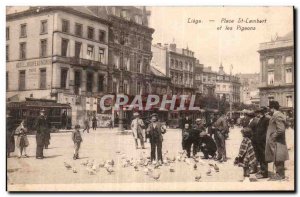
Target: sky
{"x": 212, "y": 46}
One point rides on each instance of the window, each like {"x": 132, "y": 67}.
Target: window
{"x": 22, "y": 79}
{"x": 138, "y": 88}
{"x": 43, "y": 78}
{"x": 44, "y": 27}
{"x": 101, "y": 55}
{"x": 102, "y": 36}
{"x": 124, "y": 13}
{"x": 65, "y": 26}
{"x": 270, "y": 77}
{"x": 116, "y": 61}
{"x": 172, "y": 63}
{"x": 114, "y": 86}
{"x": 288, "y": 75}
{"x": 289, "y": 101}
{"x": 271, "y": 61}
{"x": 63, "y": 78}
{"x": 125, "y": 87}
{"x": 100, "y": 83}
{"x": 64, "y": 47}
{"x": 89, "y": 82}
{"x": 138, "y": 66}
{"x": 90, "y": 51}
{"x": 43, "y": 48}
{"x": 77, "y": 82}
{"x": 7, "y": 33}
{"x": 138, "y": 19}
{"x": 77, "y": 49}
{"x": 288, "y": 59}
{"x": 7, "y": 52}
{"x": 23, "y": 32}
{"x": 127, "y": 63}
{"x": 78, "y": 29}
{"x": 23, "y": 50}
{"x": 90, "y": 33}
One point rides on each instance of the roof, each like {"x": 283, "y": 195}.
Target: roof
{"x": 157, "y": 72}
{"x": 288, "y": 36}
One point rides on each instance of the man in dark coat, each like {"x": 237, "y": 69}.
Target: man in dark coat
{"x": 260, "y": 139}
{"x": 221, "y": 127}
{"x": 276, "y": 148}
{"x": 193, "y": 138}
{"x": 42, "y": 126}
{"x": 94, "y": 123}
{"x": 10, "y": 131}
{"x": 207, "y": 145}
{"x": 155, "y": 130}
{"x": 184, "y": 121}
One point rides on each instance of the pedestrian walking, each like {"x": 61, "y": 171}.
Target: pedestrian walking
{"x": 94, "y": 122}
{"x": 220, "y": 127}
{"x": 137, "y": 126}
{"x": 276, "y": 148}
{"x": 246, "y": 157}
{"x": 260, "y": 138}
{"x": 86, "y": 125}
{"x": 185, "y": 136}
{"x": 10, "y": 132}
{"x": 42, "y": 126}
{"x": 193, "y": 139}
{"x": 77, "y": 139}
{"x": 156, "y": 130}
{"x": 22, "y": 140}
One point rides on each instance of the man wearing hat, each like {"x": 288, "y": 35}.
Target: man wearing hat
{"x": 155, "y": 130}
{"x": 137, "y": 126}
{"x": 10, "y": 132}
{"x": 260, "y": 139}
{"x": 193, "y": 139}
{"x": 276, "y": 148}
{"x": 221, "y": 128}
{"x": 207, "y": 145}
{"x": 42, "y": 126}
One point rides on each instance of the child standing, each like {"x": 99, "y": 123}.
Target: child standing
{"x": 22, "y": 140}
{"x": 77, "y": 139}
{"x": 185, "y": 136}
{"x": 246, "y": 157}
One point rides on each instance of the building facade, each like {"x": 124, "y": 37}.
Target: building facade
{"x": 227, "y": 86}
{"x": 277, "y": 71}
{"x": 58, "y": 53}
{"x": 249, "y": 88}
{"x": 178, "y": 64}
{"x": 209, "y": 79}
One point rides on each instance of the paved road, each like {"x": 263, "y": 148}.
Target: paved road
{"x": 102, "y": 144}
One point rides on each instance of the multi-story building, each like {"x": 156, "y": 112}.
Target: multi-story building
{"x": 58, "y": 53}
{"x": 129, "y": 48}
{"x": 249, "y": 87}
{"x": 227, "y": 86}
{"x": 277, "y": 71}
{"x": 209, "y": 79}
{"x": 198, "y": 77}
{"x": 178, "y": 64}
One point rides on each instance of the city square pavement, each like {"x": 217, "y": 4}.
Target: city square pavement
{"x": 106, "y": 144}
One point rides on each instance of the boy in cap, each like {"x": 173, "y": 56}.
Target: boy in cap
{"x": 77, "y": 139}
{"x": 246, "y": 157}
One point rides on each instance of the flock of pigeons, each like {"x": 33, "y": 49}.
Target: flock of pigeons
{"x": 143, "y": 163}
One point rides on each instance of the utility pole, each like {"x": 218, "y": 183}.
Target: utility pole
{"x": 121, "y": 112}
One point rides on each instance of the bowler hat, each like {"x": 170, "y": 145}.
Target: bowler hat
{"x": 250, "y": 113}
{"x": 154, "y": 114}
{"x": 247, "y": 132}
{"x": 274, "y": 104}
{"x": 42, "y": 110}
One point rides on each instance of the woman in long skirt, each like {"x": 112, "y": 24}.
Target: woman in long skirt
{"x": 22, "y": 140}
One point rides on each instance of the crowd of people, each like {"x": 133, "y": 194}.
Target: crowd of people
{"x": 263, "y": 139}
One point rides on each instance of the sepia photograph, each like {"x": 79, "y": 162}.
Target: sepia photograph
{"x": 150, "y": 98}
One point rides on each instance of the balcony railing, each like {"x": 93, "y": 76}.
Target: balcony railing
{"x": 79, "y": 61}
{"x": 276, "y": 44}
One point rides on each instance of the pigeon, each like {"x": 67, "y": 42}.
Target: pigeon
{"x": 210, "y": 164}
{"x": 68, "y": 166}
{"x": 156, "y": 166}
{"x": 174, "y": 159}
{"x": 208, "y": 173}
{"x": 109, "y": 170}
{"x": 84, "y": 163}
{"x": 90, "y": 171}
{"x": 195, "y": 166}
{"x": 156, "y": 176}
{"x": 216, "y": 168}
{"x": 112, "y": 163}
{"x": 197, "y": 178}
{"x": 102, "y": 164}
{"x": 178, "y": 158}
{"x": 94, "y": 167}
{"x": 118, "y": 152}
{"x": 172, "y": 169}
{"x": 136, "y": 168}
{"x": 74, "y": 170}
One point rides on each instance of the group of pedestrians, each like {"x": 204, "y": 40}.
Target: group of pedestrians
{"x": 264, "y": 142}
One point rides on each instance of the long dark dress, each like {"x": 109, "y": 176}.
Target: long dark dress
{"x": 10, "y": 139}
{"x": 42, "y": 128}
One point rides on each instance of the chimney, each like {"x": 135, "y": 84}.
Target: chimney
{"x": 159, "y": 44}
{"x": 173, "y": 47}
